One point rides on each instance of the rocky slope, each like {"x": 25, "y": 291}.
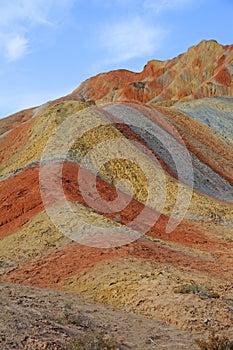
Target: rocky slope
{"x": 158, "y": 243}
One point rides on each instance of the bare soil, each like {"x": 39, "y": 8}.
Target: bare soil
{"x": 33, "y": 318}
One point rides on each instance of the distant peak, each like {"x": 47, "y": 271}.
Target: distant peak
{"x": 202, "y": 71}
{"x": 207, "y": 42}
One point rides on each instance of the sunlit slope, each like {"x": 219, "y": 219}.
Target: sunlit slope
{"x": 188, "y": 75}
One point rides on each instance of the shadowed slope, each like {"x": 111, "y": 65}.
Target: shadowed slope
{"x": 216, "y": 113}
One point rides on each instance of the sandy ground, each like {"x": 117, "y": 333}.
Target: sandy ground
{"x": 33, "y": 318}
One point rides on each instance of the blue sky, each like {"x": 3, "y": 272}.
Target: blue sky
{"x": 48, "y": 47}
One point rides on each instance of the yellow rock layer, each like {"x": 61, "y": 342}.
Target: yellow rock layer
{"x": 36, "y": 238}
{"x": 40, "y": 236}
{"x": 155, "y": 290}
{"x": 45, "y": 124}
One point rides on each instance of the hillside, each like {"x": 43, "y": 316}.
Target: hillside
{"x": 122, "y": 192}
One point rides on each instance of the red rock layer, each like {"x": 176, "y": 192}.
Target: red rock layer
{"x": 21, "y": 199}
{"x": 72, "y": 259}
{"x": 15, "y": 140}
{"x": 14, "y": 120}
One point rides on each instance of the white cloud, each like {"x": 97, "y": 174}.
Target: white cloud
{"x": 16, "y": 48}
{"x": 163, "y": 5}
{"x": 18, "y": 17}
{"x": 130, "y": 39}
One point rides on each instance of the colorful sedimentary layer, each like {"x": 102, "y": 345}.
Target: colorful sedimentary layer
{"x": 63, "y": 203}
{"x": 188, "y": 75}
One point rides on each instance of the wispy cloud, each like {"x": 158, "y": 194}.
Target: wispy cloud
{"x": 163, "y": 5}
{"x": 139, "y": 36}
{"x": 16, "y": 48}
{"x": 133, "y": 38}
{"x": 18, "y": 17}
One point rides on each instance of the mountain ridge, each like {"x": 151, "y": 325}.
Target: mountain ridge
{"x": 168, "y": 132}
{"x": 225, "y": 56}
{"x": 158, "y": 80}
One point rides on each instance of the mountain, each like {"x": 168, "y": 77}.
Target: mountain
{"x": 190, "y": 75}
{"x": 122, "y": 192}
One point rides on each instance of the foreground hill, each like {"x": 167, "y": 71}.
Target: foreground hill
{"x": 161, "y": 246}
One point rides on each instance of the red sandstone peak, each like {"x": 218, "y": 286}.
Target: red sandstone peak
{"x": 204, "y": 70}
